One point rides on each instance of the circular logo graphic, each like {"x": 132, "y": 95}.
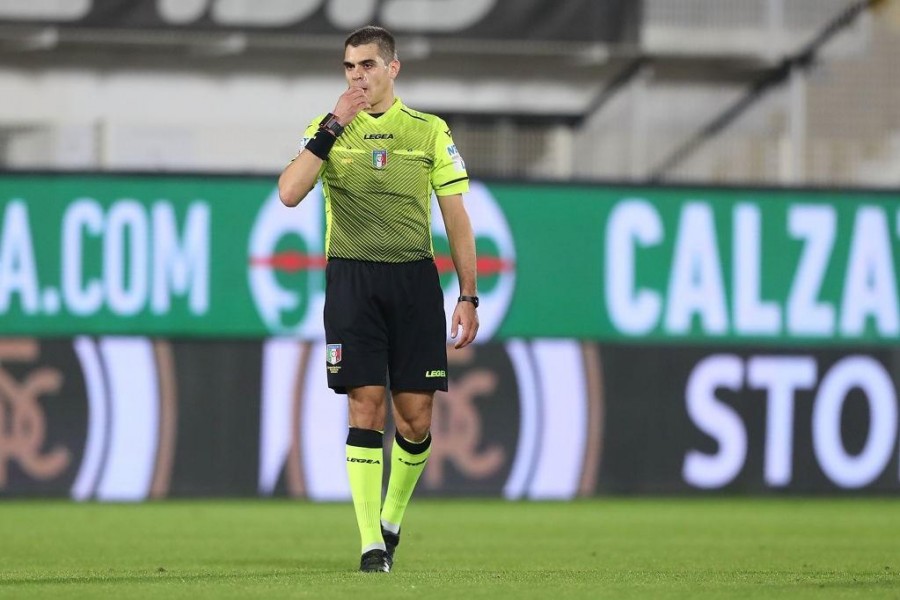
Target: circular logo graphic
{"x": 286, "y": 273}
{"x": 43, "y": 418}
{"x": 496, "y": 259}
{"x": 287, "y": 263}
{"x": 520, "y": 420}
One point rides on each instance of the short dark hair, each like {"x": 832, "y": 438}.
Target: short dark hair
{"x": 372, "y": 34}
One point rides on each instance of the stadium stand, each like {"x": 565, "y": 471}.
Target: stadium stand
{"x": 138, "y": 99}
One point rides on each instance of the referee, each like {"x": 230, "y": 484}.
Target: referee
{"x": 379, "y": 162}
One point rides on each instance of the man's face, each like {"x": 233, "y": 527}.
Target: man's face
{"x": 365, "y": 68}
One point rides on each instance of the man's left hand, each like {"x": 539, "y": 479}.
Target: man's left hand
{"x": 465, "y": 317}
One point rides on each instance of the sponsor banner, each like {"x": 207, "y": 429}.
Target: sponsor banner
{"x": 713, "y": 265}
{"x": 133, "y": 418}
{"x": 757, "y": 421}
{"x": 222, "y": 257}
{"x": 215, "y": 257}
{"x": 574, "y": 20}
{"x": 128, "y": 418}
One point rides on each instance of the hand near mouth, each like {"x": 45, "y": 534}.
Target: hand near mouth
{"x": 351, "y": 102}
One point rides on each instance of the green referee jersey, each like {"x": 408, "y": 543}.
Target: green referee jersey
{"x": 378, "y": 180}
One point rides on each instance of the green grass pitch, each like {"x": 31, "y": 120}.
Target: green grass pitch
{"x": 491, "y": 549}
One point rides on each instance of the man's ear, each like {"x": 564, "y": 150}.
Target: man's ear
{"x": 394, "y": 68}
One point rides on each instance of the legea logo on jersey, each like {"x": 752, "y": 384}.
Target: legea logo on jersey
{"x": 287, "y": 263}
{"x": 496, "y": 259}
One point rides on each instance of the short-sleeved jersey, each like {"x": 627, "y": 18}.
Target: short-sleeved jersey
{"x": 378, "y": 180}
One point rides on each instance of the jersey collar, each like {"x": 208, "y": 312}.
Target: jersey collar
{"x": 393, "y": 110}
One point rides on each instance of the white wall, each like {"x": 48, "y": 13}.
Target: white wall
{"x": 196, "y": 120}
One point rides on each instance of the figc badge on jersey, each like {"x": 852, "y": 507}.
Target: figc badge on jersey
{"x": 333, "y": 354}
{"x": 379, "y": 158}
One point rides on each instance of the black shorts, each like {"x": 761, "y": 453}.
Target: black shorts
{"x": 385, "y": 320}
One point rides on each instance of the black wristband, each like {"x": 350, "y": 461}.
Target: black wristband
{"x": 321, "y": 144}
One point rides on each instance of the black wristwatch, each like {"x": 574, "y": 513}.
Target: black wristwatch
{"x": 472, "y": 299}
{"x": 331, "y": 125}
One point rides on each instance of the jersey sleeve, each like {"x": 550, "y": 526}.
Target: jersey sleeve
{"x": 307, "y": 135}
{"x": 448, "y": 175}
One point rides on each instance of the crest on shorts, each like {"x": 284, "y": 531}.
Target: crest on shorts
{"x": 333, "y": 354}
{"x": 379, "y": 158}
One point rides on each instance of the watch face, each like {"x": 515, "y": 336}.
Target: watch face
{"x": 334, "y": 126}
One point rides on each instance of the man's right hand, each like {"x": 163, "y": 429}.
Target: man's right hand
{"x": 350, "y": 104}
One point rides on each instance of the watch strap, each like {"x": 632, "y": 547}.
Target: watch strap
{"x": 472, "y": 299}
{"x": 331, "y": 125}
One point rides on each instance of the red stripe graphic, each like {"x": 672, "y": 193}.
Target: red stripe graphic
{"x": 290, "y": 261}
{"x": 487, "y": 265}
{"x": 293, "y": 261}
